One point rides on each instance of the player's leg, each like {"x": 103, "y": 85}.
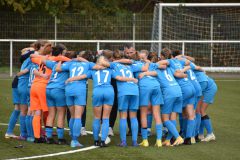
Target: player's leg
{"x": 123, "y": 103}
{"x": 15, "y": 114}
{"x": 83, "y": 129}
{"x": 149, "y": 119}
{"x": 61, "y": 110}
{"x": 133, "y": 108}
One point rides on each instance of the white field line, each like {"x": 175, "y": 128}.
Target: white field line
{"x": 54, "y": 154}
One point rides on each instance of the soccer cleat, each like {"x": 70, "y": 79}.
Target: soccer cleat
{"x": 75, "y": 144}
{"x": 201, "y": 137}
{"x": 103, "y": 144}
{"x": 96, "y": 143}
{"x": 144, "y": 143}
{"x": 110, "y": 131}
{"x": 123, "y": 144}
{"x": 166, "y": 143}
{"x": 197, "y": 139}
{"x": 178, "y": 141}
{"x": 62, "y": 142}
{"x": 209, "y": 137}
{"x": 187, "y": 141}
{"x": 30, "y": 139}
{"x": 158, "y": 143}
{"x": 50, "y": 141}
{"x": 135, "y": 144}
{"x": 40, "y": 140}
{"x": 83, "y": 131}
{"x": 193, "y": 141}
{"x": 10, "y": 135}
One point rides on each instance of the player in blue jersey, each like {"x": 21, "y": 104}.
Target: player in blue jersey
{"x": 75, "y": 91}
{"x": 128, "y": 98}
{"x": 29, "y": 117}
{"x": 22, "y": 90}
{"x": 172, "y": 106}
{"x": 209, "y": 89}
{"x": 149, "y": 92}
{"x": 179, "y": 68}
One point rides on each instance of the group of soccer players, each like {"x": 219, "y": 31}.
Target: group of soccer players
{"x": 140, "y": 86}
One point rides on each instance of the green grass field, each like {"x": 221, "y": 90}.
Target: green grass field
{"x": 224, "y": 114}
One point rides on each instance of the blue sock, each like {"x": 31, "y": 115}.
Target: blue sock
{"x": 71, "y": 122}
{"x": 144, "y": 133}
{"x": 201, "y": 129}
{"x": 159, "y": 131}
{"x": 149, "y": 120}
{"x": 134, "y": 128}
{"x": 208, "y": 125}
{"x": 49, "y": 131}
{"x": 105, "y": 128}
{"x": 123, "y": 129}
{"x": 198, "y": 122}
{"x": 27, "y": 121}
{"x": 31, "y": 127}
{"x": 171, "y": 128}
{"x": 12, "y": 121}
{"x": 96, "y": 128}
{"x": 193, "y": 133}
{"x": 76, "y": 128}
{"x": 184, "y": 129}
{"x": 190, "y": 128}
{"x": 181, "y": 122}
{"x": 60, "y": 133}
{"x": 23, "y": 129}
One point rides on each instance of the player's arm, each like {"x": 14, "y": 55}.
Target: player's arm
{"x": 39, "y": 74}
{"x": 25, "y": 71}
{"x": 148, "y": 73}
{"x": 146, "y": 66}
{"x": 126, "y": 79}
{"x": 80, "y": 59}
{"x": 186, "y": 68}
{"x": 76, "y": 78}
{"x": 124, "y": 61}
{"x": 180, "y": 74}
{"x": 59, "y": 66}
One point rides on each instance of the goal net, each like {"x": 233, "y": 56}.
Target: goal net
{"x": 217, "y": 24}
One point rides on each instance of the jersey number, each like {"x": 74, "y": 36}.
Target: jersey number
{"x": 169, "y": 78}
{"x": 105, "y": 78}
{"x": 78, "y": 69}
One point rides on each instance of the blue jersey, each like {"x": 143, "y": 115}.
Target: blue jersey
{"x": 76, "y": 69}
{"x": 175, "y": 65}
{"x": 168, "y": 83}
{"x": 194, "y": 81}
{"x": 26, "y": 65}
{"x": 126, "y": 88}
{"x": 57, "y": 79}
{"x": 148, "y": 81}
{"x": 31, "y": 74}
{"x": 201, "y": 76}
{"x": 101, "y": 77}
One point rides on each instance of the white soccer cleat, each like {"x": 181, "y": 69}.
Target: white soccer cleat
{"x": 7, "y": 135}
{"x": 83, "y": 131}
{"x": 110, "y": 132}
{"x": 209, "y": 137}
{"x": 201, "y": 136}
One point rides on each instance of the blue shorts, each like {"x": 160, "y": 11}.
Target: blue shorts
{"x": 102, "y": 95}
{"x": 203, "y": 85}
{"x": 188, "y": 93}
{"x": 128, "y": 102}
{"x": 173, "y": 104}
{"x": 55, "y": 97}
{"x": 15, "y": 96}
{"x": 23, "y": 91}
{"x": 154, "y": 96}
{"x": 210, "y": 92}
